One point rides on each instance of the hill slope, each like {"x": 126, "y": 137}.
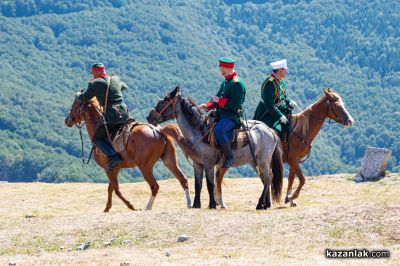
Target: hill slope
{"x": 47, "y": 48}
{"x": 334, "y": 212}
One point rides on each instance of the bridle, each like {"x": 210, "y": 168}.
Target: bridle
{"x": 79, "y": 126}
{"x": 159, "y": 116}
{"x": 330, "y": 109}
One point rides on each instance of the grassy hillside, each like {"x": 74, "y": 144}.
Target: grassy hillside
{"x": 44, "y": 224}
{"x": 47, "y": 48}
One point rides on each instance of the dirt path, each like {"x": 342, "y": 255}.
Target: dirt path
{"x": 41, "y": 223}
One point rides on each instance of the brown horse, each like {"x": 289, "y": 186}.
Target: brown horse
{"x": 306, "y": 126}
{"x": 146, "y": 145}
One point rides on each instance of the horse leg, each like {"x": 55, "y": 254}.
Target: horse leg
{"x": 119, "y": 194}
{"x": 220, "y": 176}
{"x": 147, "y": 172}
{"x": 291, "y": 177}
{"x": 302, "y": 179}
{"x": 171, "y": 163}
{"x": 262, "y": 200}
{"x": 112, "y": 183}
{"x": 265, "y": 199}
{"x": 198, "y": 183}
{"x": 211, "y": 186}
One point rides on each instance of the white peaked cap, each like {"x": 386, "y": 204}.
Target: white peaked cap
{"x": 279, "y": 64}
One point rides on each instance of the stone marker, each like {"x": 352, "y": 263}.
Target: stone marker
{"x": 374, "y": 164}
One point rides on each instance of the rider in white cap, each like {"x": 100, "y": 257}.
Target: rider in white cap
{"x": 275, "y": 107}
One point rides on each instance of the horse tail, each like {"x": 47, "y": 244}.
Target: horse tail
{"x": 277, "y": 171}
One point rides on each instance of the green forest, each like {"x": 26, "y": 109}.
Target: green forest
{"x": 48, "y": 46}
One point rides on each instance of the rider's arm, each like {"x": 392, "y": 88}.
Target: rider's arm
{"x": 88, "y": 94}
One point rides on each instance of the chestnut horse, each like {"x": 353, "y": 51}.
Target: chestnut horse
{"x": 306, "y": 126}
{"x": 146, "y": 145}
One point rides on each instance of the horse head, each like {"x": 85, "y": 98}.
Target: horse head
{"x": 75, "y": 114}
{"x": 165, "y": 108}
{"x": 79, "y": 110}
{"x": 336, "y": 109}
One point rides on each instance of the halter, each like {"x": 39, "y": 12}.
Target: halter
{"x": 330, "y": 109}
{"x": 306, "y": 143}
{"x": 172, "y": 116}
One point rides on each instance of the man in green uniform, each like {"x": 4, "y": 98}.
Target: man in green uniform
{"x": 275, "y": 106}
{"x": 228, "y": 102}
{"x": 108, "y": 91}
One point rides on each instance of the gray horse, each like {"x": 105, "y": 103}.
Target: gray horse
{"x": 205, "y": 156}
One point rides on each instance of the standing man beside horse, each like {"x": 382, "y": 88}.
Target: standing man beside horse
{"x": 275, "y": 107}
{"x": 228, "y": 102}
{"x": 108, "y": 91}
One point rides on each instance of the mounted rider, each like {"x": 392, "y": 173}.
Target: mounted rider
{"x": 228, "y": 103}
{"x": 108, "y": 91}
{"x": 275, "y": 107}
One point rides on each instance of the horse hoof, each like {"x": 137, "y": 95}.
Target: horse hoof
{"x": 293, "y": 204}
{"x": 106, "y": 210}
{"x": 287, "y": 199}
{"x": 196, "y": 206}
{"x": 259, "y": 207}
{"x": 212, "y": 205}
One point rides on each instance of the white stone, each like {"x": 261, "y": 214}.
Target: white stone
{"x": 126, "y": 241}
{"x": 374, "y": 164}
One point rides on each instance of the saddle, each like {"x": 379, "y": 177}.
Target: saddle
{"x": 238, "y": 141}
{"x": 121, "y": 136}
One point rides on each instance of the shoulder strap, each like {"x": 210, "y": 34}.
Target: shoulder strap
{"x": 108, "y": 88}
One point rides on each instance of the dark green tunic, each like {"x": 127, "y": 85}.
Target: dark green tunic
{"x": 234, "y": 91}
{"x": 274, "y": 103}
{"x": 117, "y": 111}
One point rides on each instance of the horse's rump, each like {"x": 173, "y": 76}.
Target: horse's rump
{"x": 120, "y": 141}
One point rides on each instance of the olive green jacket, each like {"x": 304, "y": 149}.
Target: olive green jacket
{"x": 274, "y": 102}
{"x": 116, "y": 111}
{"x": 233, "y": 94}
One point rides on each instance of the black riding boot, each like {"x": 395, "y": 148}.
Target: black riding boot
{"x": 227, "y": 150}
{"x": 108, "y": 150}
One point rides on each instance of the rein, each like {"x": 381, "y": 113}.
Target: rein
{"x": 309, "y": 145}
{"x": 83, "y": 153}
{"x": 174, "y": 113}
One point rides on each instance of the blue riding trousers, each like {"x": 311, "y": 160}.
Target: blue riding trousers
{"x": 223, "y": 131}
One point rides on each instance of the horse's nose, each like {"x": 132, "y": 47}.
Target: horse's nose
{"x": 68, "y": 121}
{"x": 349, "y": 122}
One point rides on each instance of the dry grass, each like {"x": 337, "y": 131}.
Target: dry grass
{"x": 37, "y": 219}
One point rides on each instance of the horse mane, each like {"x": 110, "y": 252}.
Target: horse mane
{"x": 192, "y": 113}
{"x": 301, "y": 120}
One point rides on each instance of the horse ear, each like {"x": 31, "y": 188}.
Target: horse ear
{"x": 173, "y": 93}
